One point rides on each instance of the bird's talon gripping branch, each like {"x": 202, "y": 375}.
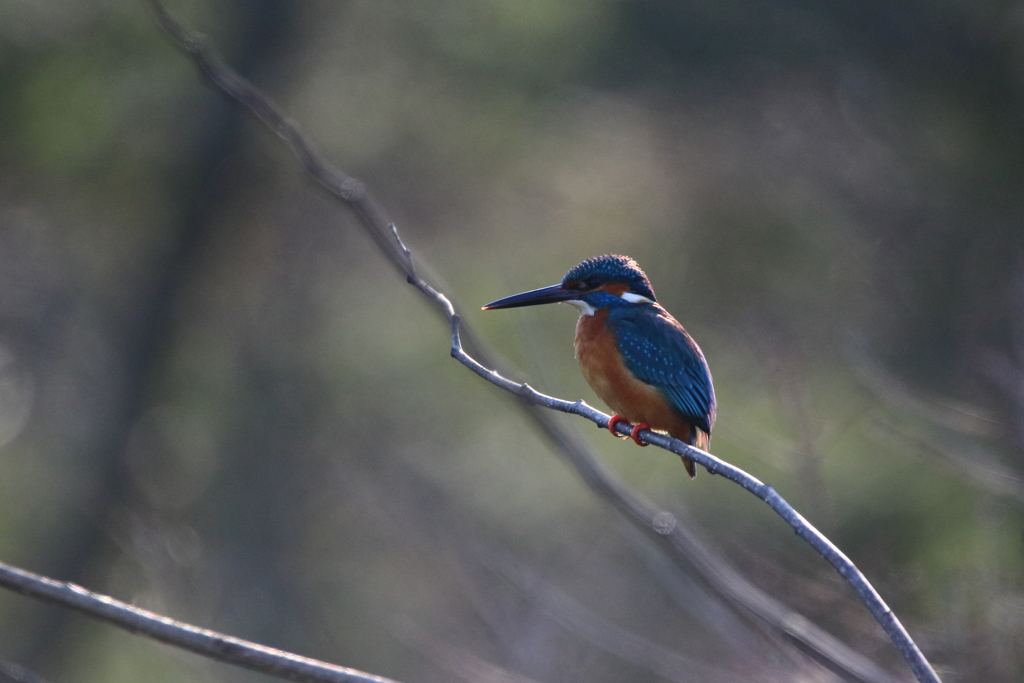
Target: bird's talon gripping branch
{"x": 616, "y": 419}
{"x": 635, "y": 434}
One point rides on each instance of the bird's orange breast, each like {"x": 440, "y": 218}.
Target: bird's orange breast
{"x": 614, "y": 384}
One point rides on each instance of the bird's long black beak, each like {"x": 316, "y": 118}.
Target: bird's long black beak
{"x": 544, "y": 295}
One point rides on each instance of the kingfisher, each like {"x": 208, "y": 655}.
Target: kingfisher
{"x": 635, "y": 356}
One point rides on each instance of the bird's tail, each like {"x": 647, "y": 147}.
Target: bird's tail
{"x": 698, "y": 439}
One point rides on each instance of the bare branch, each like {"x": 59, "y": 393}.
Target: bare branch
{"x": 210, "y": 644}
{"x": 384, "y": 233}
{"x": 354, "y": 193}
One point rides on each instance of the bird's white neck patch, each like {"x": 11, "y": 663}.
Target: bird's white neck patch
{"x": 582, "y": 306}
{"x": 636, "y": 298}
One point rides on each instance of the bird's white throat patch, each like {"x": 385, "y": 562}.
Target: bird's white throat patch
{"x": 586, "y": 309}
{"x": 582, "y": 306}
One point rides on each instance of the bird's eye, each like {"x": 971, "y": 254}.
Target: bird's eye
{"x": 593, "y": 282}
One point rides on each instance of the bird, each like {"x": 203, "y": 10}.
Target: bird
{"x": 636, "y": 357}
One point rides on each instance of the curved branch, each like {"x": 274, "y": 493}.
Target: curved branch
{"x": 211, "y": 644}
{"x": 804, "y": 529}
{"x": 384, "y": 233}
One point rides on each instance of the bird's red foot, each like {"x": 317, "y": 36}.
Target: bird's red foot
{"x": 616, "y": 419}
{"x": 635, "y": 434}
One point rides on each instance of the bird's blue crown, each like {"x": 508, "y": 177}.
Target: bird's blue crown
{"x": 600, "y": 270}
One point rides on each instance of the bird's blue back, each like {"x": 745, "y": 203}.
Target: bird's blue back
{"x": 659, "y": 352}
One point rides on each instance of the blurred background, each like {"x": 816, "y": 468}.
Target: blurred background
{"x": 217, "y": 400}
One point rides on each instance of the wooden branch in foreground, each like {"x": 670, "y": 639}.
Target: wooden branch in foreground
{"x": 210, "y": 644}
{"x": 354, "y": 193}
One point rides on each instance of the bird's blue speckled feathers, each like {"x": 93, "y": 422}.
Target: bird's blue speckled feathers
{"x": 658, "y": 351}
{"x": 601, "y": 270}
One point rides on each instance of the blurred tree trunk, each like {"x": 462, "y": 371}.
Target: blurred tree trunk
{"x": 210, "y": 179}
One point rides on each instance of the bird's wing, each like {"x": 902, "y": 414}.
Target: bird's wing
{"x": 658, "y": 351}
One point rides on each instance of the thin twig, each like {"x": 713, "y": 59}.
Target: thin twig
{"x": 804, "y": 529}
{"x": 384, "y": 233}
{"x": 387, "y": 237}
{"x": 210, "y": 644}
